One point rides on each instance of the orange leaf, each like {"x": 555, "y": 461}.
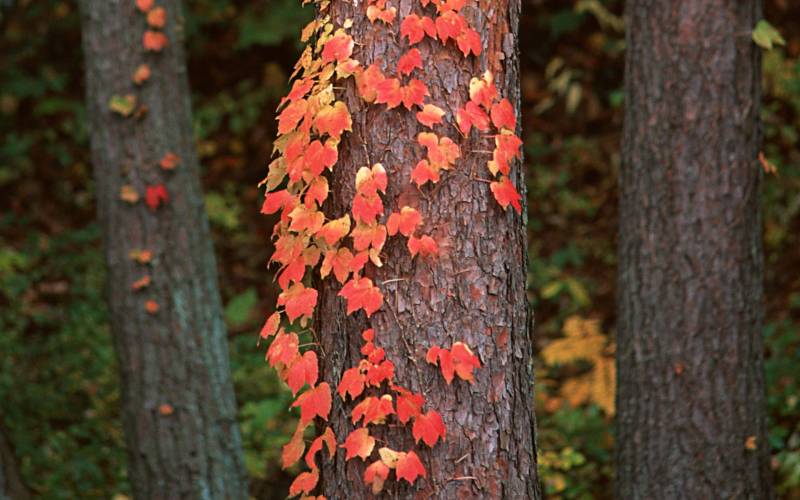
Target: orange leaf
{"x": 317, "y": 192}
{"x": 278, "y": 200}
{"x": 154, "y": 41}
{"x": 304, "y": 219}
{"x": 340, "y": 262}
{"x": 303, "y": 370}
{"x": 360, "y": 293}
{"x": 333, "y": 231}
{"x": 405, "y": 222}
{"x": 142, "y": 282}
{"x": 283, "y": 349}
{"x": 141, "y": 75}
{"x": 333, "y": 120}
{"x": 471, "y": 115}
{"x": 329, "y": 439}
{"x": 338, "y": 48}
{"x": 299, "y": 301}
{"x": 430, "y": 115}
{"x": 293, "y": 450}
{"x": 378, "y": 373}
{"x": 373, "y": 410}
{"x": 449, "y": 25}
{"x": 408, "y": 404}
{"x": 144, "y": 5}
{"x": 304, "y": 483}
{"x": 464, "y": 361}
{"x": 155, "y": 196}
{"x": 291, "y": 115}
{"x": 366, "y": 235}
{"x": 505, "y": 193}
{"x": 409, "y": 61}
{"x": 469, "y": 41}
{"x": 314, "y": 402}
{"x": 429, "y": 427}
{"x": 425, "y": 172}
{"x": 442, "y": 152}
{"x": 483, "y": 90}
{"x": 128, "y": 194}
{"x": 409, "y": 467}
{"x": 368, "y": 82}
{"x": 375, "y": 475}
{"x": 166, "y": 409}
{"x": 503, "y": 115}
{"x": 358, "y": 444}
{"x": 386, "y": 15}
{"x": 169, "y": 161}
{"x": 425, "y": 246}
{"x": 157, "y": 17}
{"x": 415, "y": 28}
{"x": 270, "y": 327}
{"x": 151, "y": 306}
{"x": 413, "y": 93}
{"x": 140, "y": 256}
{"x": 507, "y": 148}
{"x": 352, "y": 383}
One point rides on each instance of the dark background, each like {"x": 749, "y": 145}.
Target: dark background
{"x": 58, "y": 384}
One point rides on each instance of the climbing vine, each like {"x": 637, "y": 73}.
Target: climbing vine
{"x": 311, "y": 123}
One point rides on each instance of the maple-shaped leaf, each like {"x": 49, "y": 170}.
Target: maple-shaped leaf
{"x": 409, "y": 61}
{"x": 405, "y": 222}
{"x": 314, "y": 402}
{"x": 409, "y": 467}
{"x": 388, "y": 91}
{"x": 291, "y": 115}
{"x": 429, "y": 427}
{"x": 317, "y": 192}
{"x": 469, "y": 41}
{"x": 424, "y": 246}
{"x": 141, "y": 75}
{"x": 503, "y": 115}
{"x": 442, "y": 152}
{"x": 155, "y": 196}
{"x": 304, "y": 483}
{"x": 169, "y": 161}
{"x": 483, "y": 90}
{"x": 507, "y": 147}
{"x": 144, "y": 5}
{"x": 424, "y": 172}
{"x": 506, "y": 194}
{"x": 338, "y": 48}
{"x": 368, "y": 81}
{"x": 299, "y": 90}
{"x": 293, "y": 450}
{"x": 413, "y": 94}
{"x": 360, "y": 293}
{"x": 352, "y": 383}
{"x": 299, "y": 301}
{"x": 373, "y": 410}
{"x": 157, "y": 17}
{"x": 305, "y": 219}
{"x": 375, "y": 475}
{"x": 415, "y": 28}
{"x": 449, "y": 25}
{"x": 154, "y": 41}
{"x": 371, "y": 180}
{"x": 430, "y": 115}
{"x": 270, "y": 327}
{"x": 283, "y": 349}
{"x": 471, "y": 115}
{"x": 333, "y": 231}
{"x": 304, "y": 370}
{"x": 445, "y": 5}
{"x": 329, "y": 439}
{"x": 368, "y": 235}
{"x": 409, "y": 404}
{"x": 381, "y": 372}
{"x": 318, "y": 156}
{"x": 340, "y": 262}
{"x": 367, "y": 207}
{"x": 358, "y": 444}
{"x": 278, "y": 200}
{"x": 375, "y": 13}
{"x": 333, "y": 120}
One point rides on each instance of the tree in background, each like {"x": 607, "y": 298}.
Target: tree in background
{"x": 421, "y": 314}
{"x": 179, "y": 410}
{"x": 690, "y": 403}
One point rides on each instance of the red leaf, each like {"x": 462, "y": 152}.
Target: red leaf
{"x": 352, "y": 383}
{"x": 414, "y": 93}
{"x": 270, "y": 327}
{"x": 409, "y": 467}
{"x": 469, "y": 41}
{"x": 317, "y": 192}
{"x": 368, "y": 235}
{"x": 425, "y": 246}
{"x": 368, "y": 82}
{"x": 318, "y": 156}
{"x": 304, "y": 483}
{"x": 388, "y": 92}
{"x": 154, "y": 41}
{"x": 333, "y": 120}
{"x": 505, "y": 193}
{"x": 386, "y": 15}
{"x": 142, "y": 74}
{"x": 283, "y": 349}
{"x": 409, "y": 61}
{"x": 464, "y": 361}
{"x": 425, "y": 172}
{"x": 430, "y": 115}
{"x": 169, "y": 161}
{"x": 304, "y": 219}
{"x": 303, "y": 371}
{"x": 483, "y": 90}
{"x": 405, "y": 222}
{"x": 333, "y": 231}
{"x": 291, "y": 115}
{"x": 367, "y": 207}
{"x": 507, "y": 148}
{"x": 329, "y": 439}
{"x": 155, "y": 196}
{"x": 373, "y": 410}
{"x": 360, "y": 293}
{"x": 314, "y": 402}
{"x": 157, "y": 17}
{"x": 278, "y": 200}
{"x": 340, "y": 262}
{"x": 471, "y": 115}
{"x": 299, "y": 301}
{"x": 429, "y": 427}
{"x": 415, "y": 28}
{"x": 408, "y": 405}
{"x": 381, "y": 372}
{"x": 442, "y": 152}
{"x": 293, "y": 450}
{"x": 144, "y": 5}
{"x": 449, "y": 25}
{"x": 338, "y": 48}
{"x": 358, "y": 444}
{"x": 503, "y": 115}
{"x": 375, "y": 475}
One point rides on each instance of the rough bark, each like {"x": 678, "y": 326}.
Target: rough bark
{"x": 177, "y": 356}
{"x": 474, "y": 292}
{"x": 690, "y": 362}
{"x": 12, "y": 487}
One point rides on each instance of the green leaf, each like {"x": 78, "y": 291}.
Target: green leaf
{"x": 122, "y": 104}
{"x": 765, "y": 35}
{"x": 239, "y": 308}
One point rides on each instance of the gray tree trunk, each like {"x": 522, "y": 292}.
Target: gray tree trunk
{"x": 690, "y": 403}
{"x": 179, "y": 411}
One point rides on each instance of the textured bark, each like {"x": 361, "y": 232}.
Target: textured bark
{"x": 691, "y": 379}
{"x": 12, "y": 487}
{"x": 178, "y": 356}
{"x": 474, "y": 292}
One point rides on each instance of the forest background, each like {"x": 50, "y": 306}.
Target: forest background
{"x": 59, "y": 393}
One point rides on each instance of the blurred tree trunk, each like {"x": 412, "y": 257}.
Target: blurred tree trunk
{"x": 12, "y": 486}
{"x": 473, "y": 292}
{"x": 179, "y": 410}
{"x": 690, "y": 403}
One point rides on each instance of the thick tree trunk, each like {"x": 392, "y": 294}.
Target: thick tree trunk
{"x": 178, "y": 404}
{"x": 690, "y": 404}
{"x": 473, "y": 292}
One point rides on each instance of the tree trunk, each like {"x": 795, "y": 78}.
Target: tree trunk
{"x": 179, "y": 410}
{"x": 690, "y": 404}
{"x": 473, "y": 292}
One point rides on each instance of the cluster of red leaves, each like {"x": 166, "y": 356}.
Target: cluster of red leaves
{"x": 378, "y": 11}
{"x": 459, "y": 360}
{"x": 483, "y": 110}
{"x": 153, "y": 39}
{"x": 447, "y": 24}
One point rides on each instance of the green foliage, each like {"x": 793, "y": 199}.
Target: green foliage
{"x": 765, "y": 35}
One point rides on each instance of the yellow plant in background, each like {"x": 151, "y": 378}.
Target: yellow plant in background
{"x": 583, "y": 341}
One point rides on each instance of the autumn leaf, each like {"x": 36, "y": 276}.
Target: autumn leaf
{"x": 141, "y": 75}
{"x": 151, "y": 306}
{"x": 304, "y": 483}
{"x": 340, "y": 262}
{"x": 424, "y": 172}
{"x": 352, "y": 383}
{"x": 503, "y": 115}
{"x": 429, "y": 427}
{"x": 415, "y": 28}
{"x": 424, "y": 246}
{"x": 327, "y": 438}
{"x": 299, "y": 301}
{"x": 409, "y": 404}
{"x": 155, "y": 196}
{"x": 409, "y": 467}
{"x": 360, "y": 293}
{"x": 302, "y": 371}
{"x": 430, "y": 115}
{"x": 144, "y": 5}
{"x": 157, "y": 17}
{"x": 140, "y": 255}
{"x": 358, "y": 444}
{"x": 128, "y": 194}
{"x": 405, "y": 222}
{"x": 368, "y": 235}
{"x": 469, "y": 41}
{"x": 375, "y": 13}
{"x": 471, "y": 115}
{"x": 375, "y": 475}
{"x": 368, "y": 81}
{"x": 122, "y": 105}
{"x": 449, "y": 25}
{"x": 314, "y": 402}
{"x": 409, "y": 61}
{"x": 338, "y": 48}
{"x": 169, "y": 161}
{"x": 283, "y": 349}
{"x": 154, "y": 41}
{"x": 333, "y": 231}
{"x": 506, "y": 194}
{"x": 459, "y": 360}
{"x": 270, "y": 327}
{"x": 333, "y": 120}
{"x": 141, "y": 283}
{"x": 291, "y": 115}
{"x": 373, "y": 410}
{"x": 293, "y": 450}
{"x": 483, "y": 90}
